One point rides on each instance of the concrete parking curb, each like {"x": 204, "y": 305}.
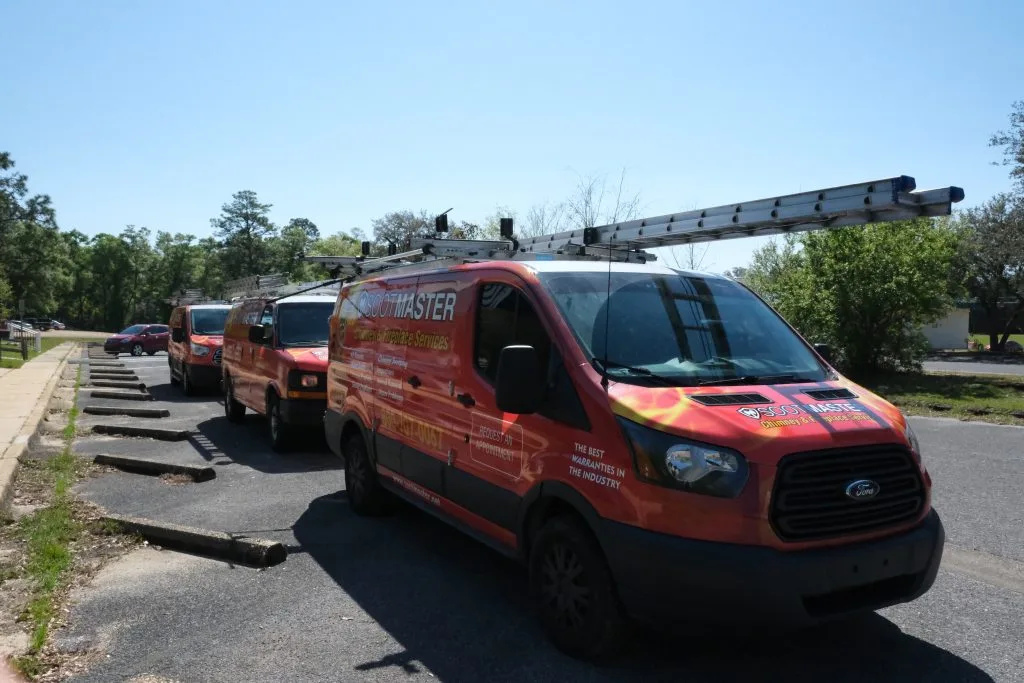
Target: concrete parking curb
{"x": 198, "y": 473}
{"x": 120, "y": 395}
{"x": 149, "y": 432}
{"x": 256, "y": 552}
{"x": 129, "y": 412}
{"x": 9, "y": 459}
{"x": 117, "y": 375}
{"x": 113, "y": 384}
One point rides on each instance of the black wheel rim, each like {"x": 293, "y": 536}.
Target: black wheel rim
{"x": 565, "y": 592}
{"x": 275, "y": 421}
{"x": 355, "y": 470}
{"x": 228, "y": 398}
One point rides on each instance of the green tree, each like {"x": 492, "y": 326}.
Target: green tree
{"x": 16, "y": 205}
{"x": 210, "y": 276}
{"x": 34, "y": 258}
{"x": 77, "y": 307}
{"x": 867, "y": 291}
{"x": 399, "y": 227}
{"x": 244, "y": 227}
{"x": 5, "y": 297}
{"x": 288, "y": 248}
{"x": 991, "y": 256}
{"x": 1012, "y": 142}
{"x": 108, "y": 262}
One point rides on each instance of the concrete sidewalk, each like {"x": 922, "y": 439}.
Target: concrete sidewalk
{"x": 24, "y": 395}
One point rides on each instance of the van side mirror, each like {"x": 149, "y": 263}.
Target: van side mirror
{"x": 178, "y": 334}
{"x": 519, "y": 388}
{"x": 825, "y": 351}
{"x": 258, "y": 334}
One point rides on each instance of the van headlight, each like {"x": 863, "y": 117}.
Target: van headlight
{"x": 667, "y": 460}
{"x": 199, "y": 349}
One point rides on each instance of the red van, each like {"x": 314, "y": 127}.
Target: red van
{"x": 194, "y": 350}
{"x": 652, "y": 444}
{"x": 275, "y": 362}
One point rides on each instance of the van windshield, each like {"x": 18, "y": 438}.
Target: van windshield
{"x": 679, "y": 329}
{"x": 208, "y": 320}
{"x": 304, "y": 324}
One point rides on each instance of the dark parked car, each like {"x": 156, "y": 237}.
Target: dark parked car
{"x": 138, "y": 339}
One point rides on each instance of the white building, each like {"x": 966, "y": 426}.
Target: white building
{"x": 950, "y": 332}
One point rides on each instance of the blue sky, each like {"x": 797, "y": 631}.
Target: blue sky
{"x": 153, "y": 114}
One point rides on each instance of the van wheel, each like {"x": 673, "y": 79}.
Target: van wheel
{"x": 170, "y": 371}
{"x": 573, "y": 590}
{"x": 280, "y": 432}
{"x": 233, "y": 410}
{"x": 187, "y": 387}
{"x": 365, "y": 495}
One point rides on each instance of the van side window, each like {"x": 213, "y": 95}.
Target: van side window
{"x": 505, "y": 317}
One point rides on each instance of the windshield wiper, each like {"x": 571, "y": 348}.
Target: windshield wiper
{"x": 755, "y": 379}
{"x": 306, "y": 342}
{"x": 605, "y": 365}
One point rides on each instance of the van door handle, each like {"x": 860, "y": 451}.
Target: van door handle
{"x": 466, "y": 400}
{"x": 414, "y": 381}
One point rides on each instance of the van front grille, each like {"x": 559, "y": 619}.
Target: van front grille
{"x": 216, "y": 356}
{"x": 810, "y": 501}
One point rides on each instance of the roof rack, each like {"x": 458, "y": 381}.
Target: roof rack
{"x": 275, "y": 286}
{"x": 890, "y": 199}
{"x": 192, "y": 297}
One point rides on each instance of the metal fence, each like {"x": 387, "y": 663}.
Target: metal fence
{"x": 19, "y": 341}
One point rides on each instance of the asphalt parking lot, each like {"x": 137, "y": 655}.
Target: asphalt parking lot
{"x": 406, "y": 597}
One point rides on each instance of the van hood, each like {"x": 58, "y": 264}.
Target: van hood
{"x": 756, "y": 419}
{"x": 314, "y": 359}
{"x": 208, "y": 339}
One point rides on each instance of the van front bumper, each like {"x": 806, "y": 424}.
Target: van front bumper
{"x": 669, "y": 580}
{"x": 304, "y": 411}
{"x": 204, "y": 375}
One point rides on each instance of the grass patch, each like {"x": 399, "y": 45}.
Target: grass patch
{"x": 48, "y": 534}
{"x": 991, "y": 398}
{"x": 10, "y": 352}
{"x": 984, "y": 338}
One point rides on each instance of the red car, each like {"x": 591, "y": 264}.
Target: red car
{"x": 138, "y": 339}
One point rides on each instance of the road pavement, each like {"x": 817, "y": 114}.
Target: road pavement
{"x": 972, "y": 365}
{"x": 407, "y": 597}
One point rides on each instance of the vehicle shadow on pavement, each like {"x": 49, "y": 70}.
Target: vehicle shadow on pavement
{"x": 223, "y": 443}
{"x": 460, "y": 610}
{"x": 169, "y": 393}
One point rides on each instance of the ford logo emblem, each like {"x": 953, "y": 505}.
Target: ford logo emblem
{"x": 862, "y": 489}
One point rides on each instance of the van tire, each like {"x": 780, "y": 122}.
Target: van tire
{"x": 233, "y": 410}
{"x": 365, "y": 495}
{"x": 564, "y": 546}
{"x": 170, "y": 371}
{"x": 187, "y": 387}
{"x": 280, "y": 431}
